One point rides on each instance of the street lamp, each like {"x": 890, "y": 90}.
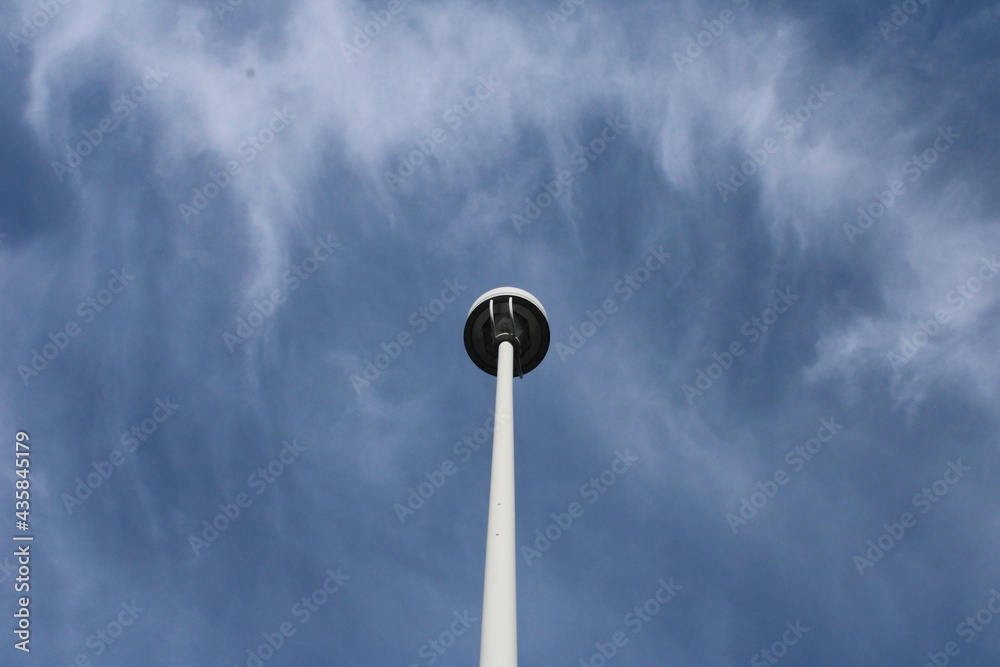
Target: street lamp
{"x": 507, "y": 330}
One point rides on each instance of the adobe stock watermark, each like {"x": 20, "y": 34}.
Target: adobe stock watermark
{"x": 635, "y": 620}
{"x": 419, "y": 321}
{"x": 107, "y": 634}
{"x": 965, "y": 291}
{"x": 121, "y": 108}
{"x": 695, "y": 47}
{"x": 627, "y": 286}
{"x": 564, "y": 10}
{"x": 913, "y": 169}
{"x": 363, "y": 36}
{"x": 247, "y": 325}
{"x": 426, "y": 146}
{"x": 434, "y": 648}
{"x": 34, "y": 22}
{"x": 899, "y": 17}
{"x": 302, "y": 611}
{"x": 258, "y": 481}
{"x": 130, "y": 440}
{"x": 592, "y": 491}
{"x": 796, "y": 458}
{"x": 579, "y": 160}
{"x": 924, "y": 501}
{"x": 87, "y": 310}
{"x": 970, "y": 628}
{"x": 786, "y": 127}
{"x": 753, "y": 329}
{"x": 417, "y": 497}
{"x": 225, "y": 7}
{"x": 246, "y": 153}
{"x": 779, "y": 648}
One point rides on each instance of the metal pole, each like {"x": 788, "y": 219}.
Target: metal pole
{"x": 499, "y": 632}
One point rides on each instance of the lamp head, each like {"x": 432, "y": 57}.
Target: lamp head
{"x": 507, "y": 313}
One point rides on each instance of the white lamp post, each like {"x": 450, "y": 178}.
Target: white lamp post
{"x": 507, "y": 331}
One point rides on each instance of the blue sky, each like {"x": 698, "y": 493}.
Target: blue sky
{"x": 239, "y": 242}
